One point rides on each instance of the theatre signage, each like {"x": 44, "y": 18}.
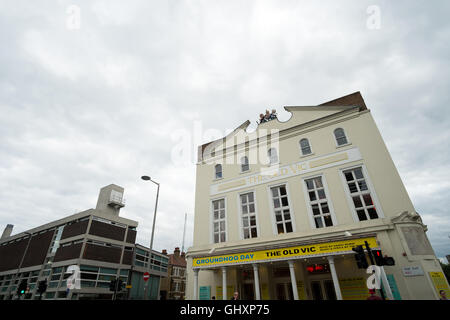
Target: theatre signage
{"x": 274, "y": 173}
{"x": 295, "y": 252}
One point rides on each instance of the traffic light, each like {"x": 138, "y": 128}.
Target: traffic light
{"x": 379, "y": 260}
{"x": 360, "y": 257}
{"x": 42, "y": 287}
{"x": 22, "y": 287}
{"x": 112, "y": 285}
{"x": 120, "y": 285}
{"x": 382, "y": 261}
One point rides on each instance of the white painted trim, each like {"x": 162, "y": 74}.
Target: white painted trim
{"x": 241, "y": 231}
{"x": 272, "y": 211}
{"x": 310, "y": 147}
{"x": 346, "y": 137}
{"x": 308, "y": 202}
{"x": 211, "y": 220}
{"x": 369, "y": 185}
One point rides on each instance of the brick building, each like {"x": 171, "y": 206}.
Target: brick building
{"x": 174, "y": 286}
{"x": 98, "y": 241}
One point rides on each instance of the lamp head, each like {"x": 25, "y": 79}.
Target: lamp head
{"x": 146, "y": 178}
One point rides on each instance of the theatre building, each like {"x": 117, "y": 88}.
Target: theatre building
{"x": 279, "y": 209}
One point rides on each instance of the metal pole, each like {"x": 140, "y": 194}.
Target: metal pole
{"x": 151, "y": 242}
{"x": 23, "y": 257}
{"x": 373, "y": 263}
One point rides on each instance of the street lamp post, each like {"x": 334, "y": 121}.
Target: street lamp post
{"x": 147, "y": 178}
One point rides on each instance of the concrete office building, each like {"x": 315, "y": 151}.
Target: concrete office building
{"x": 283, "y": 226}
{"x": 98, "y": 241}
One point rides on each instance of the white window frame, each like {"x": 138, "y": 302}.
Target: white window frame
{"x": 240, "y": 215}
{"x": 271, "y": 157}
{"x": 309, "y": 203}
{"x": 241, "y": 164}
{"x": 310, "y": 148}
{"x": 291, "y": 210}
{"x": 215, "y": 171}
{"x": 370, "y": 187}
{"x": 346, "y": 136}
{"x": 211, "y": 233}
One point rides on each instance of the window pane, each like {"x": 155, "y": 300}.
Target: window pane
{"x": 348, "y": 176}
{"x": 216, "y": 215}
{"x": 253, "y": 221}
{"x": 276, "y": 203}
{"x": 318, "y": 182}
{"x": 361, "y": 215}
{"x": 328, "y": 221}
{"x": 216, "y": 227}
{"x": 284, "y": 201}
{"x": 357, "y": 202}
{"x": 245, "y": 222}
{"x": 275, "y": 192}
{"x": 321, "y": 193}
{"x": 216, "y": 238}
{"x": 244, "y": 209}
{"x": 309, "y": 184}
{"x": 283, "y": 190}
{"x": 254, "y": 233}
{"x": 222, "y": 214}
{"x": 278, "y": 216}
{"x": 325, "y": 208}
{"x": 288, "y": 227}
{"x": 312, "y": 196}
{"x": 246, "y": 234}
{"x": 222, "y": 237}
{"x": 315, "y": 209}
{"x": 352, "y": 187}
{"x": 358, "y": 173}
{"x": 372, "y": 213}
{"x": 222, "y": 225}
{"x": 244, "y": 199}
{"x": 280, "y": 228}
{"x": 287, "y": 215}
{"x": 251, "y": 208}
{"x": 341, "y": 141}
{"x": 216, "y": 205}
{"x": 319, "y": 223}
{"x": 367, "y": 199}
{"x": 362, "y": 185}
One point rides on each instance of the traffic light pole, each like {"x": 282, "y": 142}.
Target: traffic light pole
{"x": 372, "y": 261}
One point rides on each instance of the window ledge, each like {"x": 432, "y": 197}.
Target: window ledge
{"x": 344, "y": 145}
{"x": 217, "y": 179}
{"x": 307, "y": 155}
{"x": 244, "y": 172}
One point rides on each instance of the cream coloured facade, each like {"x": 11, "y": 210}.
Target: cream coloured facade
{"x": 280, "y": 223}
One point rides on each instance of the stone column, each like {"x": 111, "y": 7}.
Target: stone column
{"x": 224, "y": 283}
{"x": 337, "y": 288}
{"x": 256, "y": 277}
{"x": 196, "y": 283}
{"x": 293, "y": 279}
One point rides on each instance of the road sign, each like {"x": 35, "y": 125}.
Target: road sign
{"x": 146, "y": 276}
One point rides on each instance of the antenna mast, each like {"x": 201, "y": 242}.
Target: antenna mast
{"x": 184, "y": 231}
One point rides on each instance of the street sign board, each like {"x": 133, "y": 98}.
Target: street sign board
{"x": 146, "y": 276}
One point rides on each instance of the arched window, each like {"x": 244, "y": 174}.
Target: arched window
{"x": 218, "y": 170}
{"x": 339, "y": 134}
{"x": 273, "y": 155}
{"x": 305, "y": 147}
{"x": 244, "y": 164}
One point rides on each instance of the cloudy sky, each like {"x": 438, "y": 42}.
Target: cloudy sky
{"x": 102, "y": 92}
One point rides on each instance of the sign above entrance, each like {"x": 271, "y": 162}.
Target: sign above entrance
{"x": 296, "y": 252}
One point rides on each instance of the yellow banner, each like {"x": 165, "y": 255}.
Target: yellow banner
{"x": 440, "y": 284}
{"x": 283, "y": 253}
